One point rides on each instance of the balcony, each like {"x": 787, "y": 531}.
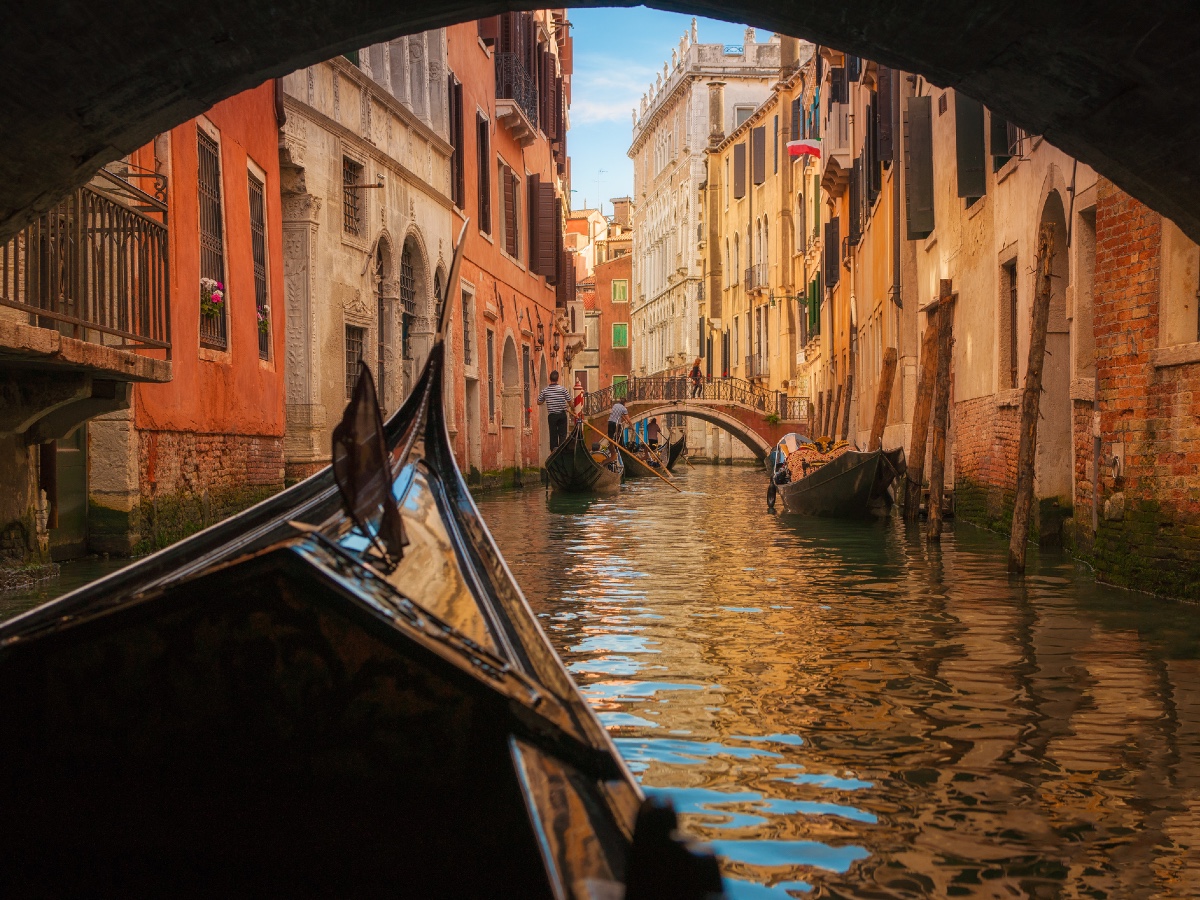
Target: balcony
{"x": 757, "y": 276}
{"x": 516, "y": 97}
{"x": 82, "y": 288}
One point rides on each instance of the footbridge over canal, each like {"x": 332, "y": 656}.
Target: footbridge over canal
{"x": 755, "y": 416}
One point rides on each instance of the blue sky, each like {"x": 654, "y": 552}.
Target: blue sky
{"x": 617, "y": 53}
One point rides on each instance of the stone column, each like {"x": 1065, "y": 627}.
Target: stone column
{"x": 304, "y": 446}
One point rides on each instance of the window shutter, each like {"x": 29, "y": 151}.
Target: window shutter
{"x": 856, "y": 202}
{"x": 549, "y": 231}
{"x": 918, "y": 167}
{"x": 531, "y": 215}
{"x": 510, "y": 211}
{"x": 797, "y": 115}
{"x": 838, "y": 92}
{"x": 758, "y": 148}
{"x": 968, "y": 133}
{"x": 775, "y": 143}
{"x": 739, "y": 171}
{"x": 886, "y": 101}
{"x": 489, "y": 29}
{"x": 458, "y": 172}
{"x": 999, "y": 141}
{"x": 484, "y": 164}
{"x": 833, "y": 252}
{"x": 872, "y": 173}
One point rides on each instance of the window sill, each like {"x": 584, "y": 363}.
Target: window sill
{"x": 487, "y": 237}
{"x": 1008, "y": 168}
{"x": 1179, "y": 355}
{"x": 976, "y": 208}
{"x": 1008, "y": 398}
{"x": 213, "y": 354}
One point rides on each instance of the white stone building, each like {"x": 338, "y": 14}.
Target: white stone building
{"x": 367, "y": 229}
{"x": 670, "y": 136}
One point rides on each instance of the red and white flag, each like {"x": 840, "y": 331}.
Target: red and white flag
{"x": 806, "y": 147}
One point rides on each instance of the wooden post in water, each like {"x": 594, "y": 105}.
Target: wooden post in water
{"x": 820, "y": 423}
{"x": 1030, "y": 400}
{"x": 833, "y": 418}
{"x": 844, "y": 431}
{"x": 811, "y": 421}
{"x": 941, "y": 410}
{"x": 884, "y": 400}
{"x": 915, "y": 477}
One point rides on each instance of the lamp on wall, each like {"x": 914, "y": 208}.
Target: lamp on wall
{"x": 557, "y": 340}
{"x": 541, "y": 334}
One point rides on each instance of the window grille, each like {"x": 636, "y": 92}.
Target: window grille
{"x": 355, "y": 338}
{"x": 467, "y": 329}
{"x": 491, "y": 372}
{"x": 351, "y": 213}
{"x": 258, "y": 246}
{"x": 212, "y": 239}
{"x": 408, "y": 300}
{"x": 525, "y": 373}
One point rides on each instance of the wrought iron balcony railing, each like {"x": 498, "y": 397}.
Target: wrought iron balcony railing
{"x": 514, "y": 81}
{"x": 95, "y": 266}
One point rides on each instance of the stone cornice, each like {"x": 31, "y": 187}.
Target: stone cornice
{"x": 402, "y": 112}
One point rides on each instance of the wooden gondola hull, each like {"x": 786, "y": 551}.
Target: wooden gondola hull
{"x": 635, "y": 467}
{"x": 842, "y": 487}
{"x": 571, "y": 469}
{"x": 675, "y": 451}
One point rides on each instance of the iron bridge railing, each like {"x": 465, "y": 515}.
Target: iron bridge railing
{"x": 669, "y": 388}
{"x": 95, "y": 266}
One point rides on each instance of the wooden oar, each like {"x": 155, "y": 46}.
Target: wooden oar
{"x": 631, "y": 455}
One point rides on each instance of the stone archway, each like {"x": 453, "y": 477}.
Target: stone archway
{"x": 1073, "y": 78}
{"x": 753, "y": 442}
{"x": 510, "y": 405}
{"x": 543, "y": 426}
{"x": 416, "y": 305}
{"x": 1053, "y": 476}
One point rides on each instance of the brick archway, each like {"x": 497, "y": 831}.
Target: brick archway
{"x": 1085, "y": 81}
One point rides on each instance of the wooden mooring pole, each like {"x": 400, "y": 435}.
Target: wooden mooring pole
{"x": 915, "y": 477}
{"x": 941, "y": 410}
{"x": 1030, "y": 400}
{"x": 820, "y": 423}
{"x": 844, "y": 431}
{"x": 884, "y": 400}
{"x": 833, "y": 418}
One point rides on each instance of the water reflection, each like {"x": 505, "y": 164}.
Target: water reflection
{"x": 846, "y": 712}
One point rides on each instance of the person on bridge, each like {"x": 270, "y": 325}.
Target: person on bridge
{"x": 556, "y": 399}
{"x": 696, "y": 378}
{"x": 617, "y": 419}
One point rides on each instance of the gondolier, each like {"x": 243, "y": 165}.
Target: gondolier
{"x": 618, "y": 418}
{"x": 556, "y": 399}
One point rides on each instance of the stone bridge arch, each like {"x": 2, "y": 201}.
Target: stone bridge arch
{"x": 751, "y": 439}
{"x": 1080, "y": 79}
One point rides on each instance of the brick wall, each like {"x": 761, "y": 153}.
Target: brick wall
{"x": 985, "y": 461}
{"x": 189, "y": 481}
{"x": 1149, "y": 529}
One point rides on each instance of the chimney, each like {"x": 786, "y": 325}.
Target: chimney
{"x": 716, "y": 112}
{"x": 789, "y": 55}
{"x": 621, "y": 210}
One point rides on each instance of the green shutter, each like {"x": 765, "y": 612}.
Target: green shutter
{"x": 968, "y": 139}
{"x": 918, "y": 167}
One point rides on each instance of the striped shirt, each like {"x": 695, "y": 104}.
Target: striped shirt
{"x": 618, "y": 412}
{"x": 556, "y": 397}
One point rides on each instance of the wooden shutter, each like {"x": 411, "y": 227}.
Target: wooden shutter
{"x": 999, "y": 141}
{"x": 510, "y": 210}
{"x": 457, "y": 162}
{"x": 797, "y": 116}
{"x": 833, "y": 252}
{"x": 854, "y": 232}
{"x": 775, "y": 143}
{"x": 483, "y": 161}
{"x": 489, "y": 30}
{"x": 886, "y": 101}
{"x": 739, "y": 171}
{"x": 918, "y": 167}
{"x": 549, "y": 229}
{"x": 531, "y": 215}
{"x": 837, "y": 85}
{"x": 968, "y": 139}
{"x": 872, "y": 173}
{"x": 758, "y": 150}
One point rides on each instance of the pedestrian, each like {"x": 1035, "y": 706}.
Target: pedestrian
{"x": 556, "y": 399}
{"x": 653, "y": 433}
{"x": 695, "y": 376}
{"x": 618, "y": 418}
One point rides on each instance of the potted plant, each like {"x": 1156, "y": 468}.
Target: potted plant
{"x": 264, "y": 318}
{"x": 212, "y": 298}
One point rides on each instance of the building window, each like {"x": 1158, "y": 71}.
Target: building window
{"x": 484, "y": 163}
{"x": 620, "y": 335}
{"x": 351, "y": 179}
{"x": 408, "y": 300}
{"x": 491, "y": 373}
{"x": 525, "y": 382}
{"x": 468, "y": 329}
{"x": 457, "y": 163}
{"x": 620, "y": 387}
{"x": 510, "y": 191}
{"x": 741, "y": 114}
{"x": 620, "y": 290}
{"x": 213, "y": 316}
{"x": 355, "y": 339}
{"x": 1179, "y": 288}
{"x": 258, "y": 247}
{"x": 1008, "y": 325}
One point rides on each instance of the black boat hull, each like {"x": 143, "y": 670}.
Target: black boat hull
{"x": 675, "y": 451}
{"x": 572, "y": 470}
{"x": 843, "y": 487}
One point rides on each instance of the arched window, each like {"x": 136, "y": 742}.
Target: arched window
{"x": 408, "y": 299}
{"x": 735, "y": 259}
{"x": 728, "y": 268}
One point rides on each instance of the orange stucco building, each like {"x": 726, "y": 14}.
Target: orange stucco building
{"x": 210, "y": 441}
{"x": 510, "y": 89}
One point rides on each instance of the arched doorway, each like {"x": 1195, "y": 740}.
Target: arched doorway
{"x": 1053, "y": 461}
{"x": 510, "y": 409}
{"x": 383, "y": 330}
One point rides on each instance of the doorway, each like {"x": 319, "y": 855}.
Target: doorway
{"x": 68, "y": 531}
{"x": 1053, "y": 472}
{"x": 474, "y": 445}
{"x": 543, "y": 425}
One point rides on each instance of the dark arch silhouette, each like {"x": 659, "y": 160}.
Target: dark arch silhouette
{"x": 1116, "y": 84}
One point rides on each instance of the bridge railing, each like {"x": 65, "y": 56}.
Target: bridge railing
{"x": 670, "y": 388}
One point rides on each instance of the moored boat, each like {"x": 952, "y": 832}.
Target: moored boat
{"x": 575, "y": 468}
{"x": 339, "y": 692}
{"x": 675, "y": 451}
{"x": 638, "y": 463}
{"x": 844, "y": 486}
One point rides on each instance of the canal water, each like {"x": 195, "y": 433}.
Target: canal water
{"x": 843, "y": 711}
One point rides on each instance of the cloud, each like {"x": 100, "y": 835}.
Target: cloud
{"x": 605, "y": 89}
